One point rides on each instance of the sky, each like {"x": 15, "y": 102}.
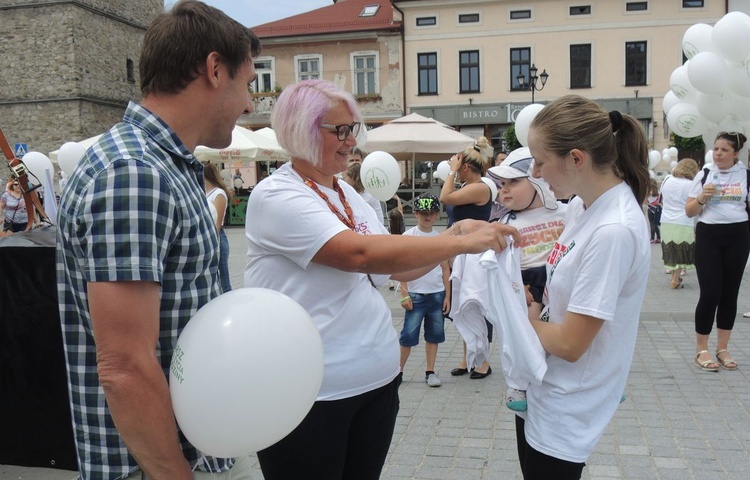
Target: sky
{"x": 256, "y": 12}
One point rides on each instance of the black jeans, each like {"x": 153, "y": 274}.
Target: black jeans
{"x": 338, "y": 439}
{"x": 538, "y": 466}
{"x": 721, "y": 252}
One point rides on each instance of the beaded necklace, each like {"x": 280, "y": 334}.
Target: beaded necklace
{"x": 349, "y": 219}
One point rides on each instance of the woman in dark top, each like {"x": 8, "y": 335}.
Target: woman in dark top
{"x": 473, "y": 200}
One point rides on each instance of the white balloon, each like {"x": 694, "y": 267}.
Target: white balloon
{"x": 665, "y": 152}
{"x": 380, "y": 175}
{"x": 685, "y": 120}
{"x": 738, "y": 78}
{"x": 673, "y": 152}
{"x": 709, "y": 135}
{"x": 672, "y": 165}
{"x": 523, "y": 122}
{"x": 670, "y": 100}
{"x": 731, "y": 124}
{"x": 493, "y": 187}
{"x": 69, "y": 155}
{"x": 37, "y": 163}
{"x": 731, "y": 36}
{"x": 226, "y": 402}
{"x": 237, "y": 183}
{"x": 680, "y": 83}
{"x": 442, "y": 170}
{"x": 652, "y": 174}
{"x": 665, "y": 158}
{"x": 712, "y": 107}
{"x": 424, "y": 176}
{"x": 697, "y": 39}
{"x": 653, "y": 158}
{"x": 709, "y": 157}
{"x": 707, "y": 72}
{"x": 226, "y": 174}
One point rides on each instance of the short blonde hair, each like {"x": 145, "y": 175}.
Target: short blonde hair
{"x": 477, "y": 156}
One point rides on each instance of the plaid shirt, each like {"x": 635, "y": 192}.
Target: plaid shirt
{"x": 134, "y": 210}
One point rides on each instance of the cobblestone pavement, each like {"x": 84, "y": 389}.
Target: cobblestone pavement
{"x": 677, "y": 423}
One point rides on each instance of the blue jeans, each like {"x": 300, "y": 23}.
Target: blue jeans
{"x": 427, "y": 306}
{"x": 226, "y": 284}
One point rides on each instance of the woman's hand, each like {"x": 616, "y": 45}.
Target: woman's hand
{"x": 456, "y": 162}
{"x": 484, "y": 236}
{"x": 709, "y": 190}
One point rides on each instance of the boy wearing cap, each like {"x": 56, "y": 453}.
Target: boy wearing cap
{"x": 539, "y": 218}
{"x": 425, "y": 298}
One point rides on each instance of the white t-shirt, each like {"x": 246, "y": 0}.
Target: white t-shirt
{"x": 729, "y": 205}
{"x": 432, "y": 281}
{"x": 598, "y": 267}
{"x": 674, "y": 194}
{"x": 287, "y": 223}
{"x": 375, "y": 204}
{"x": 539, "y": 229}
{"x": 211, "y": 197}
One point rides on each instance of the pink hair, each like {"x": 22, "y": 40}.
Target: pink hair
{"x": 299, "y": 111}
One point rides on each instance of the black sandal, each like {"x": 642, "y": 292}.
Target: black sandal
{"x": 457, "y": 372}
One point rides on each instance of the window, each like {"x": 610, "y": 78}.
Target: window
{"x": 580, "y": 10}
{"x": 427, "y": 64}
{"x": 635, "y": 63}
{"x": 580, "y": 66}
{"x": 636, "y": 6}
{"x": 264, "y": 82}
{"x": 692, "y": 3}
{"x": 365, "y": 73}
{"x": 130, "y": 70}
{"x": 426, "y": 21}
{"x": 308, "y": 66}
{"x": 369, "y": 11}
{"x": 469, "y": 71}
{"x": 520, "y": 62}
{"x": 520, "y": 14}
{"x": 468, "y": 18}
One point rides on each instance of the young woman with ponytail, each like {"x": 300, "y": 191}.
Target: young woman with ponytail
{"x": 596, "y": 279}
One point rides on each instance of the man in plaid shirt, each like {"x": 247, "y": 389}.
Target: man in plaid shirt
{"x": 137, "y": 249}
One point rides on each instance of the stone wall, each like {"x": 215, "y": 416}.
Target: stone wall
{"x": 64, "y": 66}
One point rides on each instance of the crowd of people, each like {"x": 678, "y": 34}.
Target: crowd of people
{"x": 142, "y": 247}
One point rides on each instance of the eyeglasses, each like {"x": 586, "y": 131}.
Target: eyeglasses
{"x": 343, "y": 130}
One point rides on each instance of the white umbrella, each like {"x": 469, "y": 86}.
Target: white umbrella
{"x": 246, "y": 146}
{"x": 415, "y": 134}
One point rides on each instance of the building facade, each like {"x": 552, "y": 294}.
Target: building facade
{"x": 68, "y": 68}
{"x": 355, "y": 44}
{"x": 463, "y": 58}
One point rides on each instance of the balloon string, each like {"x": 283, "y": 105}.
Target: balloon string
{"x": 206, "y": 463}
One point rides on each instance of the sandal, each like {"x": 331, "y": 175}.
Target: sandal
{"x": 676, "y": 285}
{"x": 727, "y": 363}
{"x": 706, "y": 365}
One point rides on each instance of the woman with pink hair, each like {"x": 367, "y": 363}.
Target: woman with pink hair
{"x": 316, "y": 240}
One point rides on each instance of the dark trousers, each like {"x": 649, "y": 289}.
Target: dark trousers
{"x": 721, "y": 252}
{"x": 538, "y": 466}
{"x": 338, "y": 439}
{"x": 654, "y": 220}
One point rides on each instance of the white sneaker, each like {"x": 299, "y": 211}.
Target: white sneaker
{"x": 432, "y": 380}
{"x": 746, "y": 315}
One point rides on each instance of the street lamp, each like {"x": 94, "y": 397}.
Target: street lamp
{"x": 533, "y": 77}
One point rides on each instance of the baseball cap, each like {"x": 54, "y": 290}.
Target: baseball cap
{"x": 426, "y": 202}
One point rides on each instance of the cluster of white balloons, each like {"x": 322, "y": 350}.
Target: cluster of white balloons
{"x": 710, "y": 93}
{"x": 227, "y": 400}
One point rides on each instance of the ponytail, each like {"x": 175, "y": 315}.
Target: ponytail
{"x": 632, "y": 157}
